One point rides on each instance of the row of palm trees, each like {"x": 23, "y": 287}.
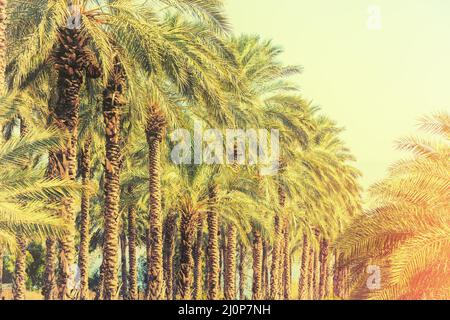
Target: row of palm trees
{"x": 93, "y": 90}
{"x": 145, "y": 70}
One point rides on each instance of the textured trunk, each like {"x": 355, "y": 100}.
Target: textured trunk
{"x": 304, "y": 271}
{"x": 155, "y": 130}
{"x": 316, "y": 275}
{"x": 3, "y": 44}
{"x": 185, "y": 277}
{"x": 286, "y": 281}
{"x": 148, "y": 258}
{"x": 1, "y": 272}
{"x": 230, "y": 261}
{"x": 19, "y": 272}
{"x": 241, "y": 269}
{"x": 222, "y": 266}
{"x": 83, "y": 257}
{"x": 123, "y": 255}
{"x": 276, "y": 255}
{"x": 257, "y": 289}
{"x": 198, "y": 261}
{"x": 113, "y": 101}
{"x": 71, "y": 60}
{"x": 133, "y": 291}
{"x": 49, "y": 289}
{"x": 170, "y": 229}
{"x": 213, "y": 257}
{"x": 265, "y": 270}
{"x": 323, "y": 260}
{"x": 310, "y": 275}
{"x": 339, "y": 275}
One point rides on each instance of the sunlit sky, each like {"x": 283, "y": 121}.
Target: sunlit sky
{"x": 375, "y": 83}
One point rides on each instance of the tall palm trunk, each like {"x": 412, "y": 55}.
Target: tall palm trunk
{"x": 198, "y": 259}
{"x": 170, "y": 229}
{"x": 286, "y": 275}
{"x": 223, "y": 266}
{"x": 19, "y": 272}
{"x": 310, "y": 275}
{"x": 83, "y": 257}
{"x": 213, "y": 253}
{"x": 3, "y": 44}
{"x": 71, "y": 60}
{"x": 257, "y": 266}
{"x": 276, "y": 257}
{"x": 230, "y": 261}
{"x": 123, "y": 256}
{"x": 133, "y": 290}
{"x": 49, "y": 288}
{"x": 113, "y": 101}
{"x": 1, "y": 272}
{"x": 339, "y": 271}
{"x": 323, "y": 261}
{"x": 155, "y": 130}
{"x": 185, "y": 277}
{"x": 241, "y": 269}
{"x": 265, "y": 270}
{"x": 304, "y": 270}
{"x": 316, "y": 275}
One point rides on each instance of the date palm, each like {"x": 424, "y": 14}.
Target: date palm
{"x": 408, "y": 220}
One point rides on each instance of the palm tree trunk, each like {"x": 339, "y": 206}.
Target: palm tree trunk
{"x": 323, "y": 260}
{"x": 185, "y": 277}
{"x": 3, "y": 44}
{"x": 223, "y": 266}
{"x": 286, "y": 281}
{"x": 303, "y": 280}
{"x": 338, "y": 283}
{"x": 257, "y": 266}
{"x": 83, "y": 257}
{"x": 241, "y": 269}
{"x": 230, "y": 261}
{"x": 155, "y": 130}
{"x": 1, "y": 271}
{"x": 316, "y": 275}
{"x": 123, "y": 255}
{"x": 49, "y": 288}
{"x": 213, "y": 257}
{"x": 265, "y": 270}
{"x": 198, "y": 259}
{"x": 133, "y": 291}
{"x": 71, "y": 61}
{"x": 19, "y": 272}
{"x": 276, "y": 255}
{"x": 113, "y": 101}
{"x": 310, "y": 274}
{"x": 170, "y": 229}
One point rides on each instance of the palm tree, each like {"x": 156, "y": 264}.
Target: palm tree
{"x": 83, "y": 262}
{"x": 3, "y": 20}
{"x": 26, "y": 210}
{"x": 408, "y": 220}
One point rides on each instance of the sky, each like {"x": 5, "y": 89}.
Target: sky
{"x": 373, "y": 66}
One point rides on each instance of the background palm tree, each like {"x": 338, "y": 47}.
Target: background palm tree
{"x": 408, "y": 221}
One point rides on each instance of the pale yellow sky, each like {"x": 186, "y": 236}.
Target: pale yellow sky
{"x": 375, "y": 83}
